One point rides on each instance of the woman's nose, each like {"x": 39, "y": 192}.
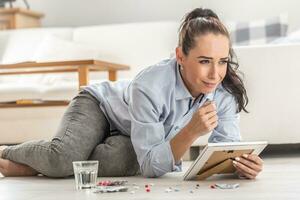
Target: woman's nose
{"x": 213, "y": 73}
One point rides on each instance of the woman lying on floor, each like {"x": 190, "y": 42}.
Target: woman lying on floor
{"x": 146, "y": 125}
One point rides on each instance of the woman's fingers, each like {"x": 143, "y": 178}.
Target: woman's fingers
{"x": 204, "y": 120}
{"x": 250, "y": 164}
{"x": 243, "y": 174}
{"x": 254, "y": 158}
{"x": 207, "y": 108}
{"x": 211, "y": 123}
{"x": 213, "y": 119}
{"x": 211, "y": 114}
{"x": 245, "y": 169}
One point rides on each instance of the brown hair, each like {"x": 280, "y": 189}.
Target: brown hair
{"x": 199, "y": 22}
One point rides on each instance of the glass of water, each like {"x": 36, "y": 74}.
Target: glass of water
{"x": 85, "y": 173}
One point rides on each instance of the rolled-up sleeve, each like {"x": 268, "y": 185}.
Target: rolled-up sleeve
{"x": 153, "y": 151}
{"x": 228, "y": 122}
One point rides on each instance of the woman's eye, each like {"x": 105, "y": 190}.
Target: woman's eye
{"x": 204, "y": 61}
{"x": 223, "y": 62}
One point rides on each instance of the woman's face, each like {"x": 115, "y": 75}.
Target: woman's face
{"x": 205, "y": 65}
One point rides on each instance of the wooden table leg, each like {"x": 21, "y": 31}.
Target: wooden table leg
{"x": 83, "y": 75}
{"x": 112, "y": 75}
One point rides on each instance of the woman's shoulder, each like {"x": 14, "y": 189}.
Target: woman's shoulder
{"x": 224, "y": 99}
{"x": 221, "y": 92}
{"x": 157, "y": 76}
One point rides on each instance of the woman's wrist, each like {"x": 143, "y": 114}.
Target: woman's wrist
{"x": 181, "y": 142}
{"x": 190, "y": 133}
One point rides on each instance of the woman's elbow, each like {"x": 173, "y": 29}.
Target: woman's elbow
{"x": 150, "y": 172}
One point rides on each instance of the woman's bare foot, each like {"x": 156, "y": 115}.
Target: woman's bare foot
{"x": 10, "y": 168}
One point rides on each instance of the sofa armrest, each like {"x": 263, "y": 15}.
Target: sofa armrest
{"x": 271, "y": 75}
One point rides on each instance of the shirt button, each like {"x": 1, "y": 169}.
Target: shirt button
{"x": 177, "y": 127}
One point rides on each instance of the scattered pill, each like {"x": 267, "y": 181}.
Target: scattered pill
{"x": 227, "y": 186}
{"x": 168, "y": 190}
{"x": 136, "y": 187}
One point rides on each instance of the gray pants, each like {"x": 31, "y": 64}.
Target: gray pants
{"x": 83, "y": 134}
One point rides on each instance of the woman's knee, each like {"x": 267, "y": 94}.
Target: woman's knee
{"x": 58, "y": 163}
{"x": 116, "y": 157}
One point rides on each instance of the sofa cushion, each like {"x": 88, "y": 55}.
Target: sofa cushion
{"x": 258, "y": 32}
{"x": 59, "y": 91}
{"x": 30, "y": 123}
{"x": 21, "y": 44}
{"x": 3, "y": 41}
{"x": 292, "y": 38}
{"x": 136, "y": 44}
{"x": 53, "y": 48}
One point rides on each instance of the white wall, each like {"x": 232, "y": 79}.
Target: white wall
{"x": 94, "y": 12}
{"x": 89, "y": 12}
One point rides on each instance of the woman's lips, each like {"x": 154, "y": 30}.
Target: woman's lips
{"x": 209, "y": 85}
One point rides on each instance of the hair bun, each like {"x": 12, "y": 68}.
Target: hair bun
{"x": 200, "y": 12}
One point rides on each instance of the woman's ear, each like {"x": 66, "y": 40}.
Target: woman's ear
{"x": 179, "y": 55}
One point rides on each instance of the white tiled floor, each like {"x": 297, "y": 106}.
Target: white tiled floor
{"x": 279, "y": 180}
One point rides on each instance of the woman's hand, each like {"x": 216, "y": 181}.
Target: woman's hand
{"x": 248, "y": 166}
{"x": 204, "y": 120}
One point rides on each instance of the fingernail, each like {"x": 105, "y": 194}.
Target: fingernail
{"x": 245, "y": 155}
{"x": 213, "y": 103}
{"x": 207, "y": 102}
{"x": 237, "y": 158}
{"x": 234, "y": 162}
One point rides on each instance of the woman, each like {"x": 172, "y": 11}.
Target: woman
{"x": 148, "y": 124}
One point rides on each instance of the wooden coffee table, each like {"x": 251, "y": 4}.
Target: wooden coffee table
{"x": 82, "y": 67}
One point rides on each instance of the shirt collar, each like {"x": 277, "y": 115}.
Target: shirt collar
{"x": 181, "y": 92}
{"x": 209, "y": 97}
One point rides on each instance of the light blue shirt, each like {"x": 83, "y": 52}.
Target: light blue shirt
{"x": 154, "y": 107}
